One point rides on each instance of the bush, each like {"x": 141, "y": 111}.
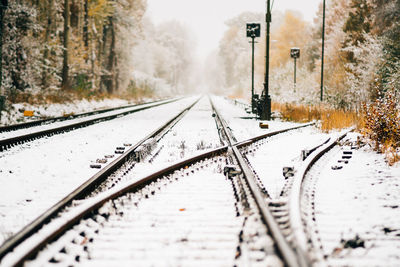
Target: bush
{"x": 382, "y": 124}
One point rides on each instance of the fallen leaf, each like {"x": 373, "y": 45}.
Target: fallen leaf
{"x": 84, "y": 241}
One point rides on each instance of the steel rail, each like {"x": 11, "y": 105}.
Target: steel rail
{"x": 30, "y": 245}
{"x": 291, "y": 256}
{"x": 244, "y": 143}
{"x": 85, "y": 188}
{"x": 29, "y": 248}
{"x": 295, "y": 218}
{"x": 9, "y": 142}
{"x": 29, "y": 124}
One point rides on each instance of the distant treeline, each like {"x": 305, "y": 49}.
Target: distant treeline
{"x": 362, "y": 54}
{"x": 68, "y": 44}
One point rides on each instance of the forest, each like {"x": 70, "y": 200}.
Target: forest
{"x": 58, "y": 50}
{"x": 361, "y": 66}
{"x": 362, "y": 52}
{"x": 54, "y": 51}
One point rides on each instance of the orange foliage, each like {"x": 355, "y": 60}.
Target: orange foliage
{"x": 382, "y": 126}
{"x": 292, "y": 33}
{"x": 329, "y": 118}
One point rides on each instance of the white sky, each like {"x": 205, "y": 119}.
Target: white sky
{"x": 206, "y": 17}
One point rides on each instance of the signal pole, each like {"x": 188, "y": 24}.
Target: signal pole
{"x": 323, "y": 50}
{"x": 252, "y": 71}
{"x": 295, "y": 54}
{"x": 266, "y": 107}
{"x": 253, "y": 30}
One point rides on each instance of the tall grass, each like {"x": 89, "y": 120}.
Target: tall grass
{"x": 329, "y": 118}
{"x": 379, "y": 122}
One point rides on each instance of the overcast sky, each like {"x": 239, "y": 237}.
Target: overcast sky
{"x": 206, "y": 17}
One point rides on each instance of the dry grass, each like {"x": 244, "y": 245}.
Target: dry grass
{"x": 329, "y": 118}
{"x": 338, "y": 119}
{"x": 60, "y": 96}
{"x": 297, "y": 113}
{"x": 368, "y": 122}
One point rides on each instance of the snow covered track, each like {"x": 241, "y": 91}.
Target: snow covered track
{"x": 34, "y": 123}
{"x": 15, "y": 139}
{"x": 290, "y": 255}
{"x": 301, "y": 205}
{"x": 203, "y": 210}
{"x": 88, "y": 186}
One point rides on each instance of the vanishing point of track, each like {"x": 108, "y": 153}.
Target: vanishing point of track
{"x": 227, "y": 159}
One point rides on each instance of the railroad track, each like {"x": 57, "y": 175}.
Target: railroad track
{"x": 336, "y": 207}
{"x": 92, "y": 117}
{"x": 349, "y": 212}
{"x": 133, "y": 152}
{"x": 235, "y": 224}
{"x": 302, "y": 201}
{"x": 25, "y": 125}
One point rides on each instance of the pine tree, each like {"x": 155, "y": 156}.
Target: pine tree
{"x": 358, "y": 24}
{"x": 387, "y": 26}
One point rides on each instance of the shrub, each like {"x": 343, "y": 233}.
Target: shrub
{"x": 382, "y": 124}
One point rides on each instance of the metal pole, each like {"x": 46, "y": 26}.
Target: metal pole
{"x": 323, "y": 51}
{"x": 294, "y": 74}
{"x": 268, "y": 20}
{"x": 266, "y": 109}
{"x": 252, "y": 72}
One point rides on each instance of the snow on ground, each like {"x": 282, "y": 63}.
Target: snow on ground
{"x": 14, "y": 114}
{"x": 194, "y": 134}
{"x": 5, "y": 135}
{"x": 243, "y": 124}
{"x": 36, "y": 175}
{"x": 362, "y": 199}
{"x": 369, "y": 190}
{"x": 281, "y": 151}
{"x": 355, "y": 204}
{"x": 190, "y": 222}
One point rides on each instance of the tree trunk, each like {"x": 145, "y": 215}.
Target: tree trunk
{"x": 46, "y": 43}
{"x": 65, "y": 69}
{"x": 111, "y": 60}
{"x": 86, "y": 25}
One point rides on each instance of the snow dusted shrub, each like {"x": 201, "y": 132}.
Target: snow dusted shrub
{"x": 143, "y": 85}
{"x": 282, "y": 85}
{"x": 361, "y": 72}
{"x": 382, "y": 125}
